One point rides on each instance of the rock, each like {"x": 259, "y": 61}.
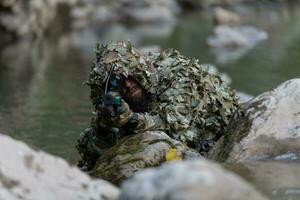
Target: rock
{"x": 126, "y": 11}
{"x": 235, "y": 37}
{"x": 225, "y": 17}
{"x": 28, "y": 174}
{"x": 137, "y": 152}
{"x": 277, "y": 180}
{"x": 231, "y": 43}
{"x": 150, "y": 14}
{"x": 34, "y": 17}
{"x": 269, "y": 128}
{"x": 225, "y": 55}
{"x": 243, "y": 97}
{"x": 31, "y": 17}
{"x": 188, "y": 180}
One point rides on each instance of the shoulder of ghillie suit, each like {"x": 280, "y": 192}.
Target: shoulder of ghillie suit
{"x": 191, "y": 96}
{"x": 128, "y": 61}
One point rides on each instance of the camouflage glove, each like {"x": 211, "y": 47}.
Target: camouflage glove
{"x": 115, "y": 117}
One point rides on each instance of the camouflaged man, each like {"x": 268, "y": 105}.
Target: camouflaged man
{"x": 165, "y": 91}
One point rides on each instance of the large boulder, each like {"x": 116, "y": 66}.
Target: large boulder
{"x": 270, "y": 126}
{"x": 133, "y": 153}
{"x": 188, "y": 180}
{"x": 33, "y": 175}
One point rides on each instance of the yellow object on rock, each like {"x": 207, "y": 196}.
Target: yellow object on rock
{"x": 172, "y": 155}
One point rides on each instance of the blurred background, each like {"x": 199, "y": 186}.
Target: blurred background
{"x": 46, "y": 49}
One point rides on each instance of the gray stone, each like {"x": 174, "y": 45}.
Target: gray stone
{"x": 150, "y": 14}
{"x": 31, "y": 17}
{"x": 188, "y": 180}
{"x": 34, "y": 175}
{"x": 235, "y": 37}
{"x": 276, "y": 179}
{"x": 34, "y": 17}
{"x": 138, "y": 152}
{"x": 231, "y": 43}
{"x": 226, "y": 17}
{"x": 225, "y": 55}
{"x": 128, "y": 11}
{"x": 269, "y": 128}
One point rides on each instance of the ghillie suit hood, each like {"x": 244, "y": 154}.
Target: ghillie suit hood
{"x": 128, "y": 61}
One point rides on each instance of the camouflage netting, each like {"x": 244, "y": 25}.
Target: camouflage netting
{"x": 195, "y": 104}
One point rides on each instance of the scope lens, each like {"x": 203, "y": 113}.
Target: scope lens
{"x": 115, "y": 81}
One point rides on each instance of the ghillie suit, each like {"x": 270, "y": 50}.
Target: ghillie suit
{"x": 188, "y": 103}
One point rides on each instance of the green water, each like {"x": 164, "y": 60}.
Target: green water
{"x": 44, "y": 103}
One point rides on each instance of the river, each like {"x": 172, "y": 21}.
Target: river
{"x": 44, "y": 102}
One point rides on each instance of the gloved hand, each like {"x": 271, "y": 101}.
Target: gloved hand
{"x": 115, "y": 116}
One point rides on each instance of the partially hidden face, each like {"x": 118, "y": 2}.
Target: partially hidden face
{"x": 134, "y": 95}
{"x": 131, "y": 89}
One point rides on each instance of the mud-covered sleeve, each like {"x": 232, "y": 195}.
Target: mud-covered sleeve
{"x": 141, "y": 122}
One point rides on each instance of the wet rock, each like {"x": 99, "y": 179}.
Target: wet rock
{"x": 277, "y": 180}
{"x": 34, "y": 17}
{"x": 225, "y": 55}
{"x": 231, "y": 43}
{"x": 28, "y": 174}
{"x": 226, "y": 17}
{"x": 138, "y": 152}
{"x": 269, "y": 127}
{"x": 234, "y": 37}
{"x": 92, "y": 13}
{"x": 157, "y": 11}
{"x": 188, "y": 180}
{"x": 127, "y": 11}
